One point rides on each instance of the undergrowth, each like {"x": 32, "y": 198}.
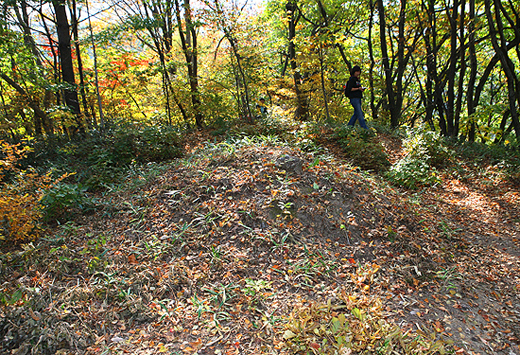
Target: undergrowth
{"x": 363, "y": 147}
{"x": 21, "y": 193}
{"x": 425, "y": 151}
{"x": 100, "y": 160}
{"x": 354, "y": 324}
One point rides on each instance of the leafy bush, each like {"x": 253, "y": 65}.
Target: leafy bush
{"x": 412, "y": 172}
{"x": 362, "y": 147}
{"x": 98, "y": 160}
{"x": 221, "y": 125}
{"x": 275, "y": 123}
{"x": 61, "y": 200}
{"x": 150, "y": 143}
{"x": 429, "y": 145}
{"x": 425, "y": 150}
{"x": 506, "y": 157}
{"x": 385, "y": 128}
{"x": 20, "y": 194}
{"x": 124, "y": 145}
{"x": 354, "y": 326}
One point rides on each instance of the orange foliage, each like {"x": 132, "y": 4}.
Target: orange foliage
{"x": 20, "y": 195}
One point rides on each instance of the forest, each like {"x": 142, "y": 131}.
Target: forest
{"x": 179, "y": 177}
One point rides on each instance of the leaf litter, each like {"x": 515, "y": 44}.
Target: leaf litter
{"x": 229, "y": 252}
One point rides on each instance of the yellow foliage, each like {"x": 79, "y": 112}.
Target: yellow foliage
{"x": 20, "y": 195}
{"x": 356, "y": 324}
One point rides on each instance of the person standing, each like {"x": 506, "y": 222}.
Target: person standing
{"x": 354, "y": 91}
{"x": 262, "y": 107}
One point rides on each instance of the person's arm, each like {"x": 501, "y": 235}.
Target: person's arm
{"x": 352, "y": 83}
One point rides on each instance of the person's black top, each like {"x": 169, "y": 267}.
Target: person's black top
{"x": 354, "y": 82}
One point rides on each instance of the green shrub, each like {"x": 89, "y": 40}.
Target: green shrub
{"x": 362, "y": 147}
{"x": 275, "y": 123}
{"x": 20, "y": 193}
{"x": 412, "y": 172}
{"x": 428, "y": 145}
{"x": 505, "y": 157}
{"x": 99, "y": 160}
{"x": 62, "y": 200}
{"x": 424, "y": 151}
{"x": 385, "y": 128}
{"x": 151, "y": 144}
{"x": 221, "y": 125}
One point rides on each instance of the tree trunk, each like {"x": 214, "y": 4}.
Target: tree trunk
{"x": 189, "y": 47}
{"x": 162, "y": 44}
{"x": 23, "y": 20}
{"x": 32, "y": 104}
{"x": 82, "y": 87}
{"x": 96, "y": 79}
{"x": 507, "y": 64}
{"x": 394, "y": 117}
{"x": 247, "y": 102}
{"x": 323, "y": 89}
{"x": 463, "y": 67}
{"x": 54, "y": 51}
{"x": 302, "y": 110}
{"x": 473, "y": 67}
{"x": 67, "y": 68}
{"x": 452, "y": 14}
{"x": 372, "y": 60}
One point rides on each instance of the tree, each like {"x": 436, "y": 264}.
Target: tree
{"x": 294, "y": 15}
{"x": 67, "y": 67}
{"x": 395, "y": 67}
{"x": 227, "y": 22}
{"x": 188, "y": 37}
{"x": 495, "y": 12}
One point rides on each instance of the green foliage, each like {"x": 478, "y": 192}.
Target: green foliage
{"x": 425, "y": 150}
{"x": 62, "y": 200}
{"x": 20, "y": 193}
{"x": 221, "y": 125}
{"x": 385, "y": 128}
{"x": 362, "y": 147}
{"x": 507, "y": 152}
{"x": 102, "y": 159}
{"x": 146, "y": 144}
{"x": 429, "y": 146}
{"x": 412, "y": 172}
{"x": 504, "y": 157}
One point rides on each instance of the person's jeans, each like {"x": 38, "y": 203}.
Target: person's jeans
{"x": 358, "y": 113}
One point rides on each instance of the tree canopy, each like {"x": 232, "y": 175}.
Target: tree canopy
{"x": 450, "y": 65}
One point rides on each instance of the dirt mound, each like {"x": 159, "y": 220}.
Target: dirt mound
{"x": 214, "y": 253}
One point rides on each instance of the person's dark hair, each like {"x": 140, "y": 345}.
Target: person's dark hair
{"x": 354, "y": 69}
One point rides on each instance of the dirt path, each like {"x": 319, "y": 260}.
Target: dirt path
{"x": 474, "y": 296}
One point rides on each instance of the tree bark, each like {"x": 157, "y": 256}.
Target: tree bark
{"x": 302, "y": 110}
{"x": 394, "y": 117}
{"x": 473, "y": 67}
{"x": 23, "y": 21}
{"x": 372, "y": 61}
{"x": 82, "y": 86}
{"x": 189, "y": 47}
{"x": 452, "y": 14}
{"x": 65, "y": 53}
{"x": 96, "y": 77}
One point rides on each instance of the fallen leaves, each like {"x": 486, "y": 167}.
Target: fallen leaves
{"x": 205, "y": 258}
